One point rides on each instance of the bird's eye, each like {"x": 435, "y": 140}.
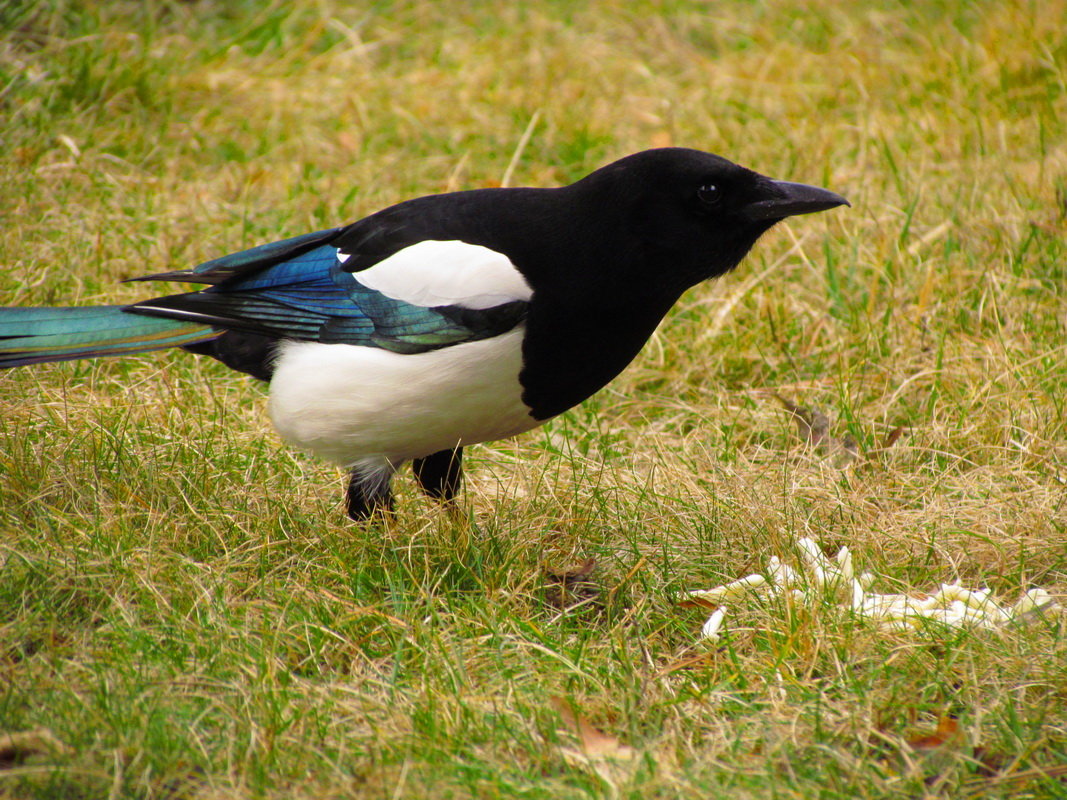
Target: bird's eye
{"x": 709, "y": 194}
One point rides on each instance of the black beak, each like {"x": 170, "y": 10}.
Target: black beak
{"x": 784, "y": 199}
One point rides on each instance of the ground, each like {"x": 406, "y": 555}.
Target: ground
{"x": 184, "y": 611}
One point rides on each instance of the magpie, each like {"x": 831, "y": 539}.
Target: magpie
{"x": 449, "y": 319}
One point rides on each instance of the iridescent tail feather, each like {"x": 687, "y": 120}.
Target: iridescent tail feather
{"x": 37, "y": 335}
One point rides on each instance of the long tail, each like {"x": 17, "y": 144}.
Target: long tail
{"x": 35, "y": 335}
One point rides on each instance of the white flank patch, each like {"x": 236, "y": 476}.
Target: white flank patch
{"x": 347, "y": 403}
{"x": 441, "y": 273}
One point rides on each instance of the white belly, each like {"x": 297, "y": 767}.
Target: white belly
{"x": 346, "y": 403}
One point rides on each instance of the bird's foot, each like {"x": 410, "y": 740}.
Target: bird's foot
{"x": 369, "y": 496}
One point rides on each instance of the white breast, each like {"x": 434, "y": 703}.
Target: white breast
{"x": 347, "y": 403}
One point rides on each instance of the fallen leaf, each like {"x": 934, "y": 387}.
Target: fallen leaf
{"x": 573, "y": 586}
{"x": 812, "y": 425}
{"x": 695, "y": 601}
{"x": 947, "y": 734}
{"x": 891, "y": 437}
{"x": 595, "y": 743}
{"x": 583, "y": 570}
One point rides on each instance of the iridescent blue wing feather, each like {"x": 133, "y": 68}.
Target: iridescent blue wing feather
{"x": 309, "y": 296}
{"x": 235, "y": 265}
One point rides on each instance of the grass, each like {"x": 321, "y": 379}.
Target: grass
{"x": 181, "y": 603}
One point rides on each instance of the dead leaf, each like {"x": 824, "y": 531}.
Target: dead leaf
{"x": 891, "y": 437}
{"x": 582, "y": 570}
{"x": 17, "y": 747}
{"x": 572, "y": 586}
{"x": 812, "y": 425}
{"x": 947, "y": 734}
{"x": 595, "y": 743}
{"x": 697, "y": 602}
{"x": 932, "y": 755}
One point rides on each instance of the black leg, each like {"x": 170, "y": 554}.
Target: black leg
{"x": 440, "y": 474}
{"x": 368, "y": 491}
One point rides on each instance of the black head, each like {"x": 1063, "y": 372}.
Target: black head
{"x": 694, "y": 214}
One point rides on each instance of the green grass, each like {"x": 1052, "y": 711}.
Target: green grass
{"x": 182, "y": 604}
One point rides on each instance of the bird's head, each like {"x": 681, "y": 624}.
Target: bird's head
{"x": 695, "y": 214}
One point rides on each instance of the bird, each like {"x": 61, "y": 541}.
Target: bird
{"x": 445, "y": 320}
